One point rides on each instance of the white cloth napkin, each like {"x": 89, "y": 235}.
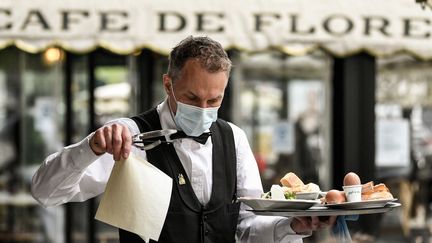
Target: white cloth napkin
{"x": 136, "y": 198}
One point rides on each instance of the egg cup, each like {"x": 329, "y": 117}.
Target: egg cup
{"x": 353, "y": 193}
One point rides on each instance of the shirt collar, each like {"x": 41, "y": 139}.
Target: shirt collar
{"x": 165, "y": 115}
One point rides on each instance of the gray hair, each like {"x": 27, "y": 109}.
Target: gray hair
{"x": 209, "y": 53}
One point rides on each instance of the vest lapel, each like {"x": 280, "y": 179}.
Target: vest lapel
{"x": 218, "y": 163}
{"x": 219, "y": 177}
{"x": 185, "y": 189}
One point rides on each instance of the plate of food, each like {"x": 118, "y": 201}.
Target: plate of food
{"x": 370, "y": 195}
{"x": 272, "y": 204}
{"x": 292, "y": 195}
{"x": 377, "y": 203}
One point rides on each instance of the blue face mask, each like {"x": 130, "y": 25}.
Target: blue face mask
{"x": 194, "y": 120}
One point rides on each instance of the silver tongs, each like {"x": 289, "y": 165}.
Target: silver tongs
{"x": 153, "y": 137}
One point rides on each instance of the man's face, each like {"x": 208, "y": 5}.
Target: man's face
{"x": 196, "y": 86}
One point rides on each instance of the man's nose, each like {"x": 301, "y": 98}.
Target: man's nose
{"x": 203, "y": 104}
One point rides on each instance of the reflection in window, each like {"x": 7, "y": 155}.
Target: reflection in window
{"x": 112, "y": 93}
{"x": 42, "y": 109}
{"x": 31, "y": 126}
{"x": 80, "y": 98}
{"x": 283, "y": 111}
{"x": 404, "y": 99}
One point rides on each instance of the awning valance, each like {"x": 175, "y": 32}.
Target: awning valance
{"x": 341, "y": 27}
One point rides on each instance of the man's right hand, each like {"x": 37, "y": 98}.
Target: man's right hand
{"x": 114, "y": 139}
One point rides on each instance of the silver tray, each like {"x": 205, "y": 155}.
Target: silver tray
{"x": 270, "y": 204}
{"x": 325, "y": 211}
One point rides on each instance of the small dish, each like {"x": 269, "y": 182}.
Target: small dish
{"x": 322, "y": 194}
{"x": 307, "y": 195}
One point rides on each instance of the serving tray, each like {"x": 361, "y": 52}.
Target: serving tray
{"x": 326, "y": 211}
{"x": 274, "y": 204}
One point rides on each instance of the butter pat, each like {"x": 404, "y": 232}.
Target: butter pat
{"x": 277, "y": 192}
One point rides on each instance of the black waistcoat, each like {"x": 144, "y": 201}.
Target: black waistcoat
{"x": 187, "y": 220}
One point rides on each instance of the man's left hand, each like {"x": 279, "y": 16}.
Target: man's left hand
{"x": 304, "y": 225}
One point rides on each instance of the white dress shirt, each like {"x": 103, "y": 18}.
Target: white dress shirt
{"x": 77, "y": 174}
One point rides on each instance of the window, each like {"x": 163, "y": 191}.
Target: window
{"x": 31, "y": 126}
{"x": 285, "y": 113}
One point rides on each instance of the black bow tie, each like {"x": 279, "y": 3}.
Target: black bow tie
{"x": 202, "y": 139}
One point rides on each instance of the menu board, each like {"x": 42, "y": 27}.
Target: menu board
{"x": 392, "y": 143}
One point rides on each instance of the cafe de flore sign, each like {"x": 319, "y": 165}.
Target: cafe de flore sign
{"x": 341, "y": 27}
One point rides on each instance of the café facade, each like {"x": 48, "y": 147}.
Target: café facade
{"x": 311, "y": 83}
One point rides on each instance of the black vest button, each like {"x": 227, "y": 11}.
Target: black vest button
{"x": 206, "y": 232}
{"x": 205, "y": 218}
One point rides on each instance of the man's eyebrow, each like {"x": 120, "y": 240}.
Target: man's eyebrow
{"x": 219, "y": 96}
{"x": 191, "y": 93}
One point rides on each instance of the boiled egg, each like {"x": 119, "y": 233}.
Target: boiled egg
{"x": 335, "y": 196}
{"x": 351, "y": 179}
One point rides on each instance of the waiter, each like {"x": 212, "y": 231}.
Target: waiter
{"x": 211, "y": 163}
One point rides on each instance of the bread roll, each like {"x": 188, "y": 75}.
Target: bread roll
{"x": 380, "y": 188}
{"x": 292, "y": 180}
{"x": 377, "y": 192}
{"x": 377, "y": 196}
{"x": 368, "y": 187}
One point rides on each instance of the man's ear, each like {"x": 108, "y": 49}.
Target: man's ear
{"x": 166, "y": 83}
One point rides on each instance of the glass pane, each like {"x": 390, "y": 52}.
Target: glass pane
{"x": 9, "y": 119}
{"x": 404, "y": 140}
{"x": 42, "y": 127}
{"x": 31, "y": 126}
{"x": 112, "y": 93}
{"x": 10, "y": 181}
{"x": 80, "y": 96}
{"x": 284, "y": 108}
{"x": 42, "y": 130}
